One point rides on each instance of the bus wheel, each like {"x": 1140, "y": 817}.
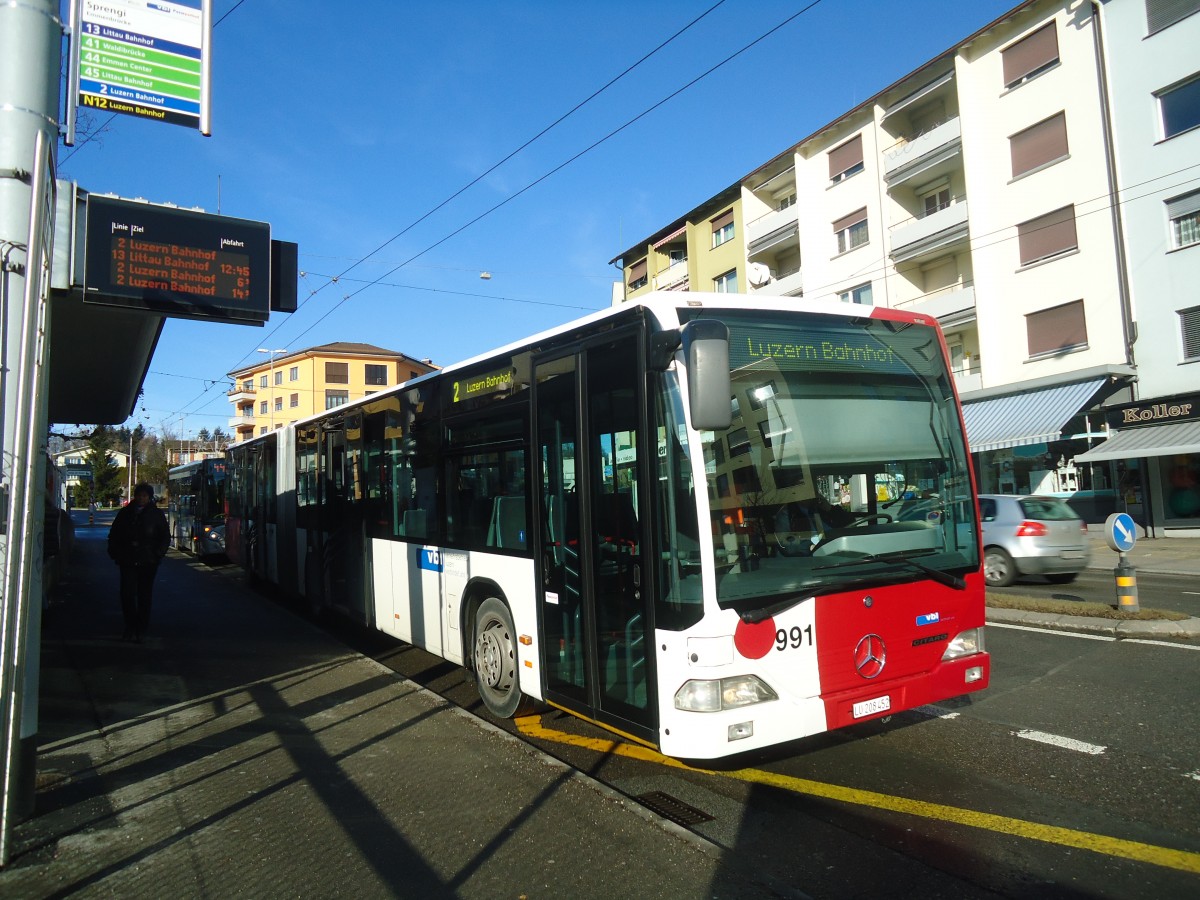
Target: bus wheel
{"x": 495, "y": 659}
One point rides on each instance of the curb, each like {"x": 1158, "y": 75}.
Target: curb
{"x": 1185, "y": 629}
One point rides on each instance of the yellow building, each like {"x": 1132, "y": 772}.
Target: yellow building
{"x": 286, "y": 387}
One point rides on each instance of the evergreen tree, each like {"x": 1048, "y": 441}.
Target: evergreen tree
{"x": 107, "y": 478}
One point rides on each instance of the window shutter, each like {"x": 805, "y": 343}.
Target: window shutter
{"x": 1056, "y": 328}
{"x": 1189, "y": 321}
{"x": 1039, "y": 144}
{"x": 1029, "y": 54}
{"x": 845, "y": 156}
{"x": 722, "y": 220}
{"x": 846, "y": 221}
{"x": 637, "y": 271}
{"x": 1047, "y": 235}
{"x": 1183, "y": 206}
{"x": 1161, "y": 13}
{"x": 337, "y": 372}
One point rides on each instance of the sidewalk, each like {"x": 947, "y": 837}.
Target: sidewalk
{"x": 241, "y": 751}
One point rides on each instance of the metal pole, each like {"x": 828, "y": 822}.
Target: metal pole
{"x": 30, "y": 56}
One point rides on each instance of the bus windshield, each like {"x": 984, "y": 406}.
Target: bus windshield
{"x": 845, "y": 465}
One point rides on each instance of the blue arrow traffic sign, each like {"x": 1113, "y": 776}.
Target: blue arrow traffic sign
{"x": 1120, "y": 532}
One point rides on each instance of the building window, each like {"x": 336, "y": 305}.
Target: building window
{"x": 1059, "y": 329}
{"x": 262, "y": 430}
{"x": 294, "y": 373}
{"x": 262, "y": 408}
{"x": 278, "y": 404}
{"x": 336, "y": 398}
{"x": 722, "y": 228}
{"x": 412, "y": 374}
{"x": 262, "y": 380}
{"x": 279, "y": 377}
{"x": 1184, "y": 213}
{"x": 1180, "y": 107}
{"x": 637, "y": 275}
{"x": 936, "y": 200}
{"x": 375, "y": 374}
{"x": 846, "y": 159}
{"x": 1030, "y": 56}
{"x": 786, "y": 202}
{"x": 337, "y": 373}
{"x": 727, "y": 283}
{"x": 851, "y": 230}
{"x": 1163, "y": 13}
{"x": 1047, "y": 236}
{"x": 248, "y": 385}
{"x": 294, "y": 401}
{"x": 677, "y": 255}
{"x": 860, "y": 294}
{"x": 1039, "y": 145}
{"x": 1189, "y": 326}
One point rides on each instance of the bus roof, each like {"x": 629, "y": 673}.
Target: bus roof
{"x": 665, "y": 306}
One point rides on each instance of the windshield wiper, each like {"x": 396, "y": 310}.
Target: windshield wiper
{"x": 903, "y": 557}
{"x": 753, "y": 616}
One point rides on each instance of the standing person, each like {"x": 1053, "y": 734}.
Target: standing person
{"x": 137, "y": 542}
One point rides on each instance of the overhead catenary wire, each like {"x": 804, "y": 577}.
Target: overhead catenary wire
{"x": 973, "y": 243}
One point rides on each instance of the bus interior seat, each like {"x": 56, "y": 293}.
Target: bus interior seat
{"x": 507, "y": 526}
{"x": 413, "y": 524}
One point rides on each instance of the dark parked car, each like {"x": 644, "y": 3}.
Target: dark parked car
{"x": 1031, "y": 535}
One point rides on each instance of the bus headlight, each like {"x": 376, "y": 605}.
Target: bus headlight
{"x": 965, "y": 643}
{"x": 726, "y": 693}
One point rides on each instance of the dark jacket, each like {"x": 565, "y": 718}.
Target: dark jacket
{"x": 138, "y": 537}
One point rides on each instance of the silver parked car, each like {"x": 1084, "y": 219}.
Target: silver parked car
{"x": 1031, "y": 535}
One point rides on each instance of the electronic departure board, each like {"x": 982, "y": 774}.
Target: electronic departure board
{"x": 177, "y": 262}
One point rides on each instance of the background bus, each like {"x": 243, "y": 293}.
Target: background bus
{"x": 196, "y": 507}
{"x": 664, "y": 517}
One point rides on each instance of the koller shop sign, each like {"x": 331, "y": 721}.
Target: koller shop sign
{"x": 1157, "y": 411}
{"x": 146, "y": 58}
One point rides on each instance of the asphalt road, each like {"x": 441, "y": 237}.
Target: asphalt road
{"x": 1171, "y": 592}
{"x": 1076, "y": 774}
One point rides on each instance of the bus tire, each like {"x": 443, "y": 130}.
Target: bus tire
{"x": 494, "y": 659}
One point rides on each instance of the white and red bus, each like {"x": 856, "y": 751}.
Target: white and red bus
{"x": 709, "y": 523}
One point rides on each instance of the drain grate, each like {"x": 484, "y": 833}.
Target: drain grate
{"x": 673, "y": 809}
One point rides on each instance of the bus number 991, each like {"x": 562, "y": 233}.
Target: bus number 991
{"x": 794, "y": 638}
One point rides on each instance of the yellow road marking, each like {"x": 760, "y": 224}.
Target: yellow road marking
{"x": 1183, "y": 860}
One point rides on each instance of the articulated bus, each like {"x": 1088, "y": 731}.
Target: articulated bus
{"x": 708, "y": 524}
{"x": 196, "y": 507}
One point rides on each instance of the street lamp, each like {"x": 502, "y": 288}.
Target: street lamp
{"x": 271, "y": 379}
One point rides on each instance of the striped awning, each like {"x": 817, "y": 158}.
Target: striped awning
{"x": 1031, "y": 417}
{"x": 1152, "y": 440}
{"x": 670, "y": 237}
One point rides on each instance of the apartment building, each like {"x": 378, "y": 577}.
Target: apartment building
{"x": 982, "y": 188}
{"x": 1153, "y": 73}
{"x": 285, "y": 387}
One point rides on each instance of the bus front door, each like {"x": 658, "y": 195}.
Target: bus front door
{"x": 594, "y": 615}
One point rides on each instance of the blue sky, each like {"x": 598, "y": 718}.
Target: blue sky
{"x": 342, "y": 125}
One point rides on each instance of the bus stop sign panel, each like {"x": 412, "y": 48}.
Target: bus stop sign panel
{"x": 176, "y": 262}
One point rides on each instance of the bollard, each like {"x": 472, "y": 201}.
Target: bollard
{"x": 1127, "y": 593}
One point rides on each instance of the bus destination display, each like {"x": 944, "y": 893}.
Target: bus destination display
{"x": 176, "y": 262}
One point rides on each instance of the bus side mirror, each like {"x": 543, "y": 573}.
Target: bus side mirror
{"x": 706, "y": 349}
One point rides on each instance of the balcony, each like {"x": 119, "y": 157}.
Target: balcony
{"x": 965, "y": 382}
{"x": 769, "y": 231}
{"x": 929, "y": 154}
{"x": 951, "y": 306}
{"x": 241, "y": 393}
{"x": 672, "y": 278}
{"x": 937, "y": 231}
{"x": 783, "y": 284}
{"x": 241, "y": 422}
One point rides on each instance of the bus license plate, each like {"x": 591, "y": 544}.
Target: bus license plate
{"x": 870, "y": 707}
